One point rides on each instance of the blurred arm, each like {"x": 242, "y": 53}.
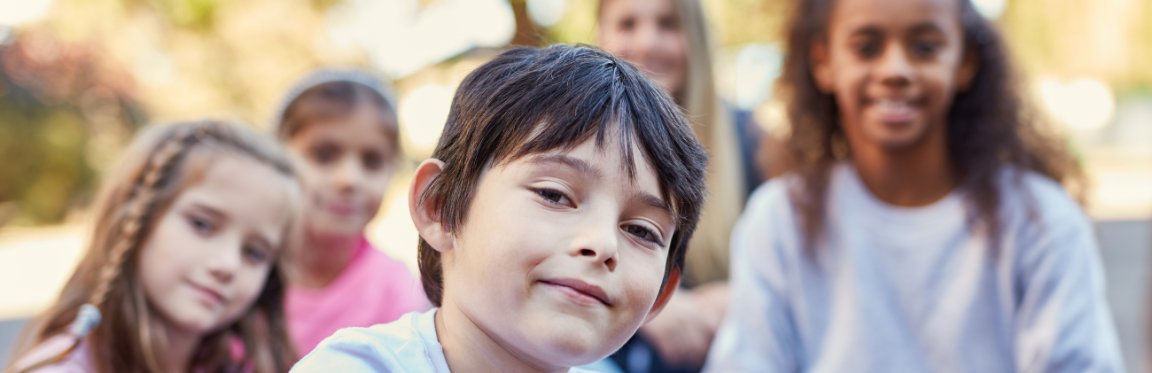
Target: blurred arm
{"x": 1063, "y": 320}
{"x": 758, "y": 333}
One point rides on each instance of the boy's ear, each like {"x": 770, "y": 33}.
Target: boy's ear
{"x": 967, "y": 71}
{"x": 820, "y": 67}
{"x": 665, "y": 295}
{"x": 426, "y": 215}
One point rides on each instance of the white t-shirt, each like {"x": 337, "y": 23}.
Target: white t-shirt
{"x": 892, "y": 289}
{"x": 405, "y": 345}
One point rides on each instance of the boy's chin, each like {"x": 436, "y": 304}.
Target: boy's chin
{"x": 569, "y": 347}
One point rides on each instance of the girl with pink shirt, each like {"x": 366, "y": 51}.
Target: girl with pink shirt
{"x": 342, "y": 127}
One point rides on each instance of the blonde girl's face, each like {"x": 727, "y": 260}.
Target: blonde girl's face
{"x": 648, "y": 34}
{"x": 207, "y": 259}
{"x": 893, "y": 67}
{"x": 346, "y": 167}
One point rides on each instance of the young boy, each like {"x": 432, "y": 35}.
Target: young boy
{"x": 553, "y": 219}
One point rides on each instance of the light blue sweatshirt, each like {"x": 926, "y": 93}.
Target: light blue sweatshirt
{"x": 409, "y": 344}
{"x": 894, "y": 289}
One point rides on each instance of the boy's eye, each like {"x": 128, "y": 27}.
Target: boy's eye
{"x": 201, "y": 226}
{"x": 643, "y": 233}
{"x": 553, "y": 196}
{"x": 255, "y": 255}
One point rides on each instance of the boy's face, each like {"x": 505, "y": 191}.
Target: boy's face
{"x": 894, "y": 67}
{"x": 562, "y": 254}
{"x": 346, "y": 167}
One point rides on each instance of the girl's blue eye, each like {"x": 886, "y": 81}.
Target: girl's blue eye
{"x": 200, "y": 225}
{"x": 643, "y": 233}
{"x": 255, "y": 255}
{"x": 553, "y": 196}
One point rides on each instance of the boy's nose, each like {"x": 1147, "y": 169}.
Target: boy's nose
{"x": 599, "y": 243}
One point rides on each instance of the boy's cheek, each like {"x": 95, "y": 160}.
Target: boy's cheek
{"x": 643, "y": 287}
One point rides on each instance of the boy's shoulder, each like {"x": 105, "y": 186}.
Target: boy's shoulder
{"x": 405, "y": 345}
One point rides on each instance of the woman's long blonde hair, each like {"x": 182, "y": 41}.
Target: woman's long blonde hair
{"x": 160, "y": 164}
{"x": 707, "y": 256}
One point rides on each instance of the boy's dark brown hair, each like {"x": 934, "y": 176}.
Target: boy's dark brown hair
{"x": 990, "y": 126}
{"x": 530, "y": 100}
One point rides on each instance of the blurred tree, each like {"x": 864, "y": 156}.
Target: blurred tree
{"x": 61, "y": 112}
{"x": 528, "y": 33}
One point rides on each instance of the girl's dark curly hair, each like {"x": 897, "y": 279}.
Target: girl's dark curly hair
{"x": 989, "y": 126}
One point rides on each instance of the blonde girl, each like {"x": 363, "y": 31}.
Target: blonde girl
{"x": 184, "y": 271}
{"x": 668, "y": 40}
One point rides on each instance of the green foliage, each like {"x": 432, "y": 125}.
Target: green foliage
{"x": 198, "y": 14}
{"x": 55, "y": 104}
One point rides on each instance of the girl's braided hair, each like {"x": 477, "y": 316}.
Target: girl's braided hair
{"x": 161, "y": 163}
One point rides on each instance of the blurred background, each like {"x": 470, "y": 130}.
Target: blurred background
{"x": 78, "y": 77}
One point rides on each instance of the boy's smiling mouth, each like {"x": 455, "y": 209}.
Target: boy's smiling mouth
{"x": 578, "y": 290}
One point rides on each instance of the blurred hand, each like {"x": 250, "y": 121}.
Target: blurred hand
{"x": 712, "y": 299}
{"x": 683, "y": 331}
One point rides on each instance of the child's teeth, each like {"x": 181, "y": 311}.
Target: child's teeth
{"x": 893, "y": 105}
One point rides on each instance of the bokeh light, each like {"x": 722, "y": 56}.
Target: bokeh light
{"x": 990, "y": 9}
{"x": 1085, "y": 104}
{"x": 547, "y": 12}
{"x": 17, "y": 12}
{"x": 422, "y": 116}
{"x": 757, "y": 66}
{"x": 402, "y": 37}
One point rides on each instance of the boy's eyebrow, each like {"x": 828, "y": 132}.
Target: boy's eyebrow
{"x": 654, "y": 201}
{"x": 575, "y": 163}
{"x": 585, "y": 168}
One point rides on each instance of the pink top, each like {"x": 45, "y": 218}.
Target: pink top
{"x": 76, "y": 361}
{"x": 373, "y": 289}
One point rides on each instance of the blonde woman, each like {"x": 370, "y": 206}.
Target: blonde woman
{"x": 667, "y": 39}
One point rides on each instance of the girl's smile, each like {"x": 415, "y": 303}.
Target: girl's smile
{"x": 209, "y": 297}
{"x": 893, "y": 67}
